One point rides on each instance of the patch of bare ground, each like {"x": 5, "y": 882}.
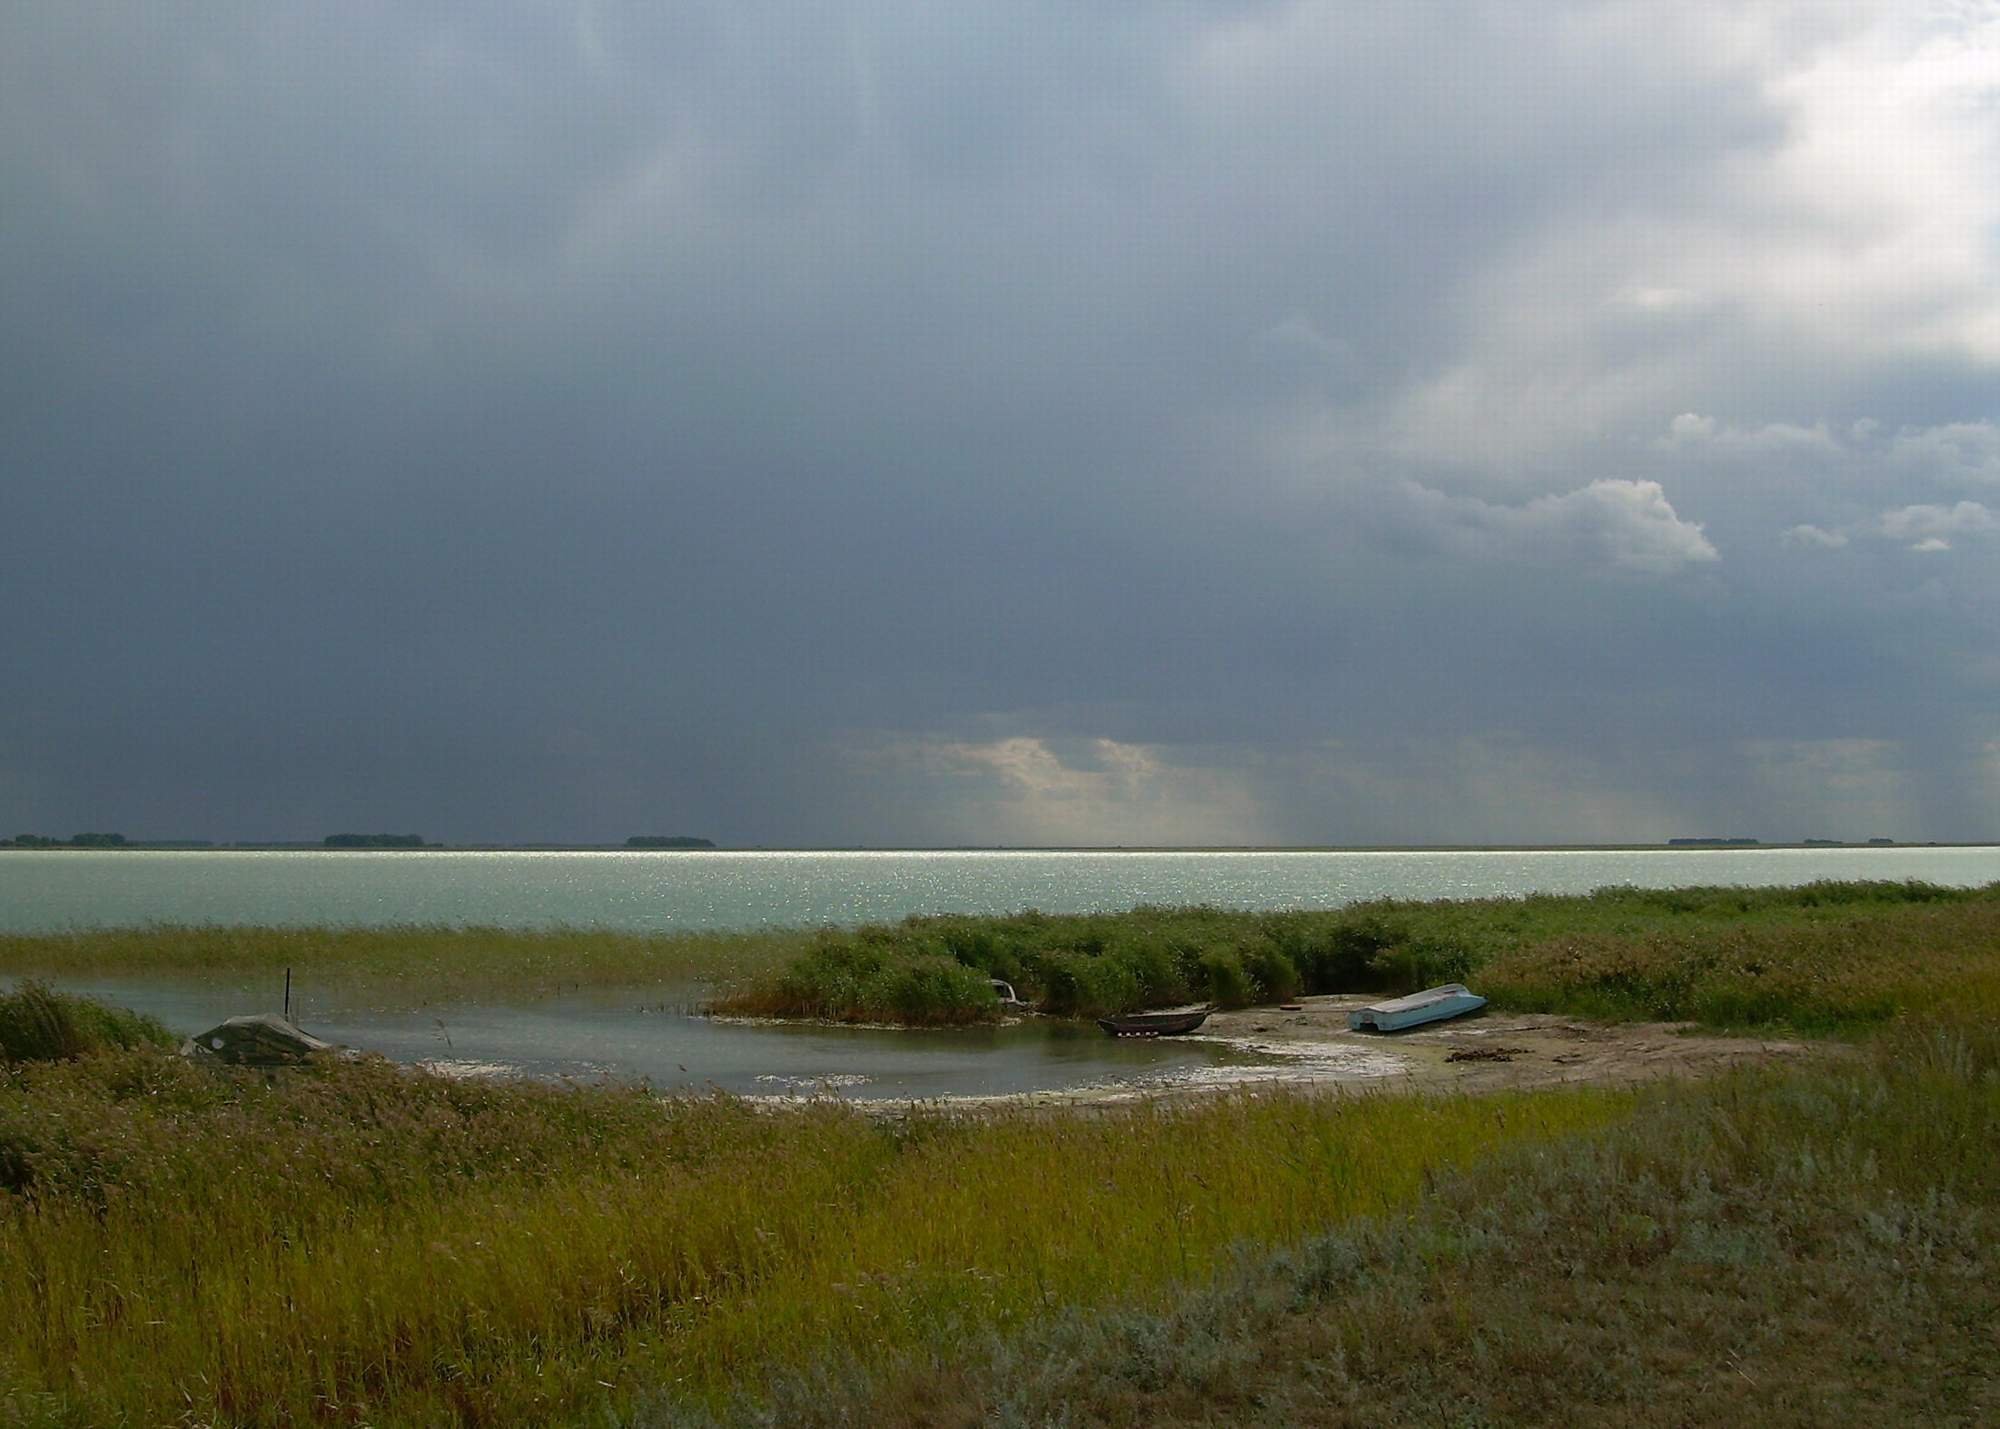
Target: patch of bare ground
{"x": 1311, "y": 1049}
{"x": 1488, "y": 1051}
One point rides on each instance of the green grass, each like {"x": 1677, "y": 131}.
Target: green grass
{"x": 358, "y": 1243}
{"x": 1816, "y": 1246}
{"x": 1844, "y": 972}
{"x": 1823, "y": 957}
{"x": 40, "y": 1025}
{"x": 408, "y": 964}
{"x": 850, "y": 979}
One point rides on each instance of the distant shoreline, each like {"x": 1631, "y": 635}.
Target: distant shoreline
{"x": 1815, "y": 845}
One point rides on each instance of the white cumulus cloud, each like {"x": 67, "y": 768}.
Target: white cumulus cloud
{"x": 1963, "y": 452}
{"x": 1814, "y": 538}
{"x": 1692, "y": 431}
{"x": 1028, "y": 790}
{"x": 1929, "y": 528}
{"x": 1610, "y": 524}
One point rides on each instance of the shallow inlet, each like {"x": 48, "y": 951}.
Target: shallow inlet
{"x": 599, "y": 1034}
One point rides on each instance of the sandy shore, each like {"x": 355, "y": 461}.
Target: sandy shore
{"x": 1489, "y": 1051}
{"x": 1312, "y": 1048}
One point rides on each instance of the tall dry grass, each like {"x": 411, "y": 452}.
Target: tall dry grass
{"x": 1817, "y": 1244}
{"x": 355, "y": 1243}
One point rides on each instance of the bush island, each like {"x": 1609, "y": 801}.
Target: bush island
{"x": 1825, "y": 956}
{"x": 869, "y": 979}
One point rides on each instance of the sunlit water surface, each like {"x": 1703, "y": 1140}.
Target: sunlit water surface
{"x": 44, "y": 890}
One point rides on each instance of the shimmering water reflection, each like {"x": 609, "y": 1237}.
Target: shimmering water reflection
{"x": 46, "y": 890}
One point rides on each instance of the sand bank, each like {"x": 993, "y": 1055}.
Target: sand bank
{"x": 1313, "y": 1049}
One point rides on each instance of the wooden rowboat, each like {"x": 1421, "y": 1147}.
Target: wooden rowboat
{"x": 1153, "y": 1024}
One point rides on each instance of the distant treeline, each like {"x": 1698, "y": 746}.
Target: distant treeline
{"x": 667, "y": 841}
{"x": 374, "y": 840}
{"x": 73, "y": 841}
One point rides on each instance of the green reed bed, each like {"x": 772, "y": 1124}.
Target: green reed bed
{"x": 1815, "y": 1245}
{"x": 38, "y": 1024}
{"x": 1819, "y": 957}
{"x": 355, "y": 1243}
{"x": 1826, "y": 955}
{"x": 1836, "y": 974}
{"x": 412, "y": 963}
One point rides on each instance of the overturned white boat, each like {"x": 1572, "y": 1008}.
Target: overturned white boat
{"x": 1433, "y": 1004}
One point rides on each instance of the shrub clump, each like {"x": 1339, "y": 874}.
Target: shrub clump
{"x": 863, "y": 980}
{"x": 38, "y": 1024}
{"x": 1822, "y": 957}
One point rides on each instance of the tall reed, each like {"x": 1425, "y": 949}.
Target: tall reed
{"x": 353, "y": 1241}
{"x": 1825, "y": 956}
{"x": 38, "y": 1024}
{"x": 409, "y": 963}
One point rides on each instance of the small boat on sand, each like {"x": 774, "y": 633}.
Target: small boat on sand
{"x": 1433, "y": 1004}
{"x": 1153, "y": 1024}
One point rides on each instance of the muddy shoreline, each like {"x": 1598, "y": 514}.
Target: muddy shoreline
{"x": 1312, "y": 1049}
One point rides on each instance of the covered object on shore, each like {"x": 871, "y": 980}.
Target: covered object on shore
{"x": 1431, "y": 1005}
{"x": 260, "y": 1039}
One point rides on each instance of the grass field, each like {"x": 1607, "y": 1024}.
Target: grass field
{"x": 356, "y": 1243}
{"x": 410, "y": 964}
{"x": 1807, "y": 1247}
{"x": 1824, "y": 957}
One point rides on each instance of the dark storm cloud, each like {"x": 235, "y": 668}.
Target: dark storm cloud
{"x": 983, "y": 422}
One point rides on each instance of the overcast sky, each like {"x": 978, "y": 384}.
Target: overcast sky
{"x": 937, "y": 423}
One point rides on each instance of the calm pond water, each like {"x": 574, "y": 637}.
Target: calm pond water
{"x": 55, "y": 889}
{"x": 589, "y": 1036}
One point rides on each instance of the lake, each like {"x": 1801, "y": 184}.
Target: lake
{"x": 48, "y": 890}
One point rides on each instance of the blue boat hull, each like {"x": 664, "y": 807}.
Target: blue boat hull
{"x": 1433, "y": 1005}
